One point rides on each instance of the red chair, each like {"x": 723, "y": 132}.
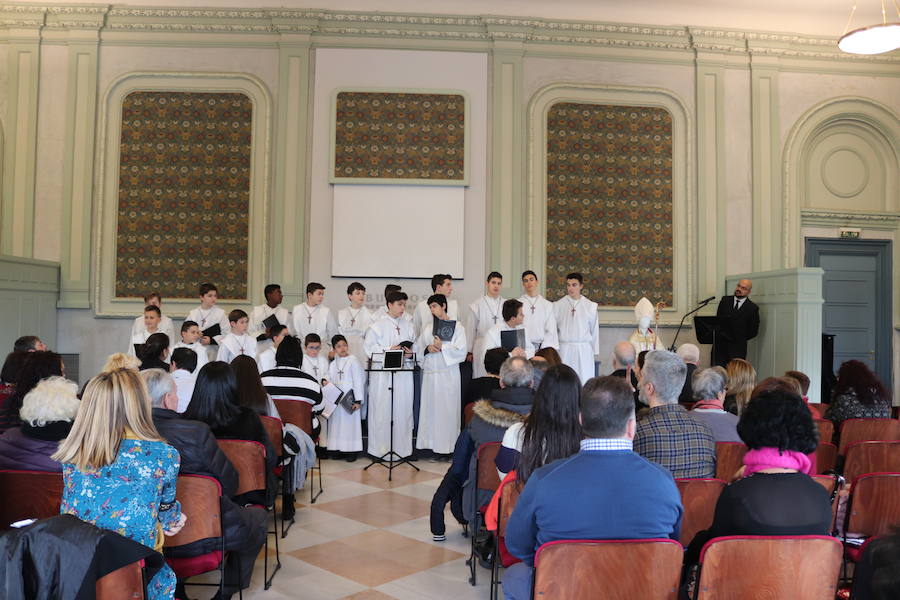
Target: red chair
{"x": 29, "y": 495}
{"x": 125, "y": 582}
{"x": 803, "y": 567}
{"x": 826, "y": 457}
{"x": 826, "y": 431}
{"x": 488, "y": 480}
{"x": 819, "y": 410}
{"x": 283, "y": 470}
{"x": 299, "y": 413}
{"x": 729, "y": 458}
{"x": 872, "y": 508}
{"x": 509, "y": 496}
{"x": 699, "y": 497}
{"x": 610, "y": 569}
{"x": 871, "y": 457}
{"x": 832, "y": 485}
{"x": 865, "y": 430}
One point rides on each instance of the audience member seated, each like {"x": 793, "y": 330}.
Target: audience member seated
{"x": 709, "y": 393}
{"x": 244, "y": 528}
{"x": 741, "y": 381}
{"x": 775, "y": 495}
{"x": 155, "y": 352}
{"x": 481, "y": 388}
{"x": 29, "y": 343}
{"x": 550, "y": 355}
{"x": 690, "y": 354}
{"x": 803, "y": 381}
{"x": 47, "y": 414}
{"x": 11, "y": 367}
{"x": 669, "y": 435}
{"x": 605, "y": 491}
{"x": 36, "y": 366}
{"x": 877, "y": 574}
{"x": 251, "y": 392}
{"x": 288, "y": 381}
{"x": 184, "y": 371}
{"x": 858, "y": 394}
{"x": 118, "y": 473}
{"x": 550, "y": 431}
{"x": 215, "y": 402}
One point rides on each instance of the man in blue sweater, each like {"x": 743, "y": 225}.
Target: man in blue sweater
{"x": 605, "y": 492}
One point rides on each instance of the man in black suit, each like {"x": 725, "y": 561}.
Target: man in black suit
{"x": 740, "y": 322}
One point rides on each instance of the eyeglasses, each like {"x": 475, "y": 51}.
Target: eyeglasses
{"x": 314, "y": 347}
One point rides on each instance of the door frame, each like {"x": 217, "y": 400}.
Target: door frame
{"x": 881, "y": 249}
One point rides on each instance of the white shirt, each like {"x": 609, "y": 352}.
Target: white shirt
{"x": 540, "y": 321}
{"x": 206, "y": 318}
{"x": 314, "y": 319}
{"x": 233, "y": 345}
{"x": 184, "y": 387}
{"x": 198, "y": 348}
{"x": 423, "y": 314}
{"x": 165, "y": 326}
{"x": 263, "y": 312}
{"x": 483, "y": 314}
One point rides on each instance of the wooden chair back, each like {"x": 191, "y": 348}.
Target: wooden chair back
{"x": 273, "y": 427}
{"x": 699, "y": 497}
{"x": 729, "y": 458}
{"x": 126, "y": 583}
{"x": 832, "y": 487}
{"x": 826, "y": 481}
{"x": 871, "y": 457}
{"x": 874, "y": 504}
{"x": 611, "y": 569}
{"x": 865, "y": 430}
{"x": 29, "y": 495}
{"x": 826, "y": 431}
{"x": 487, "y": 477}
{"x": 249, "y": 460}
{"x": 200, "y": 498}
{"x": 819, "y": 409}
{"x": 295, "y": 412}
{"x": 826, "y": 457}
{"x": 509, "y": 497}
{"x": 469, "y": 412}
{"x": 797, "y": 567}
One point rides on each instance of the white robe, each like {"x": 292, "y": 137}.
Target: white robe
{"x": 381, "y": 335}
{"x": 540, "y": 321}
{"x": 352, "y": 324}
{"x": 319, "y": 320}
{"x": 423, "y": 315}
{"x": 483, "y": 314}
{"x": 645, "y": 342}
{"x": 318, "y": 368}
{"x": 207, "y": 318}
{"x": 259, "y": 313}
{"x": 345, "y": 429}
{"x": 233, "y": 345}
{"x": 165, "y": 326}
{"x": 199, "y": 349}
{"x": 381, "y": 312}
{"x": 265, "y": 360}
{"x": 439, "y": 412}
{"x": 493, "y": 339}
{"x": 579, "y": 339}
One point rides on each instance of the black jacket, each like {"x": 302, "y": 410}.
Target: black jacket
{"x": 738, "y": 326}
{"x": 687, "y": 390}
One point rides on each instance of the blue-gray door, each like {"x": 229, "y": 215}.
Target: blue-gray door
{"x": 857, "y": 290}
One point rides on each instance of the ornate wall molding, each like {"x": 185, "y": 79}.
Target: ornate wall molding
{"x": 817, "y": 217}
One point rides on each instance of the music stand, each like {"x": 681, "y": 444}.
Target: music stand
{"x": 388, "y": 457}
{"x": 711, "y": 330}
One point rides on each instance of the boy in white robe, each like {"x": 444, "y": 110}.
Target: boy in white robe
{"x": 576, "y": 320}
{"x": 344, "y": 428}
{"x": 190, "y": 338}
{"x": 439, "y": 415}
{"x": 183, "y": 366}
{"x": 540, "y": 322}
{"x": 260, "y": 313}
{"x": 152, "y": 320}
{"x": 313, "y": 316}
{"x": 483, "y": 314}
{"x": 237, "y": 342}
{"x": 388, "y": 333}
{"x": 165, "y": 324}
{"x": 381, "y": 311}
{"x": 354, "y": 320}
{"x": 208, "y": 314}
{"x": 265, "y": 359}
{"x": 315, "y": 364}
{"x": 513, "y": 316}
{"x": 440, "y": 284}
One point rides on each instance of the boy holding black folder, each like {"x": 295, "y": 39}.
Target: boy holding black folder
{"x": 265, "y": 316}
{"x": 440, "y": 348}
{"x": 210, "y": 318}
{"x": 510, "y": 335}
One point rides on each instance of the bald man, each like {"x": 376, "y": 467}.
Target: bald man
{"x": 740, "y": 322}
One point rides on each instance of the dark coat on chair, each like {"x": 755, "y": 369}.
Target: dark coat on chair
{"x": 738, "y": 326}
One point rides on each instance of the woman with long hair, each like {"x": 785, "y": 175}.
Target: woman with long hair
{"x": 859, "y": 394}
{"x": 741, "y": 381}
{"x": 36, "y": 366}
{"x": 118, "y": 473}
{"x": 251, "y": 392}
{"x": 550, "y": 355}
{"x": 154, "y": 352}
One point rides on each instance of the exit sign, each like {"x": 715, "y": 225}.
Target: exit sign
{"x": 849, "y": 234}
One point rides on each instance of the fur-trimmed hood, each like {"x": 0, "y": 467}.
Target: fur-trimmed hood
{"x": 499, "y": 414}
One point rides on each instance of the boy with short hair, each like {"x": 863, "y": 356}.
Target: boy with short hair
{"x": 576, "y": 322}
{"x": 441, "y": 283}
{"x": 190, "y": 339}
{"x": 354, "y": 320}
{"x": 183, "y": 367}
{"x": 382, "y": 310}
{"x": 165, "y": 324}
{"x": 313, "y": 316}
{"x": 347, "y": 373}
{"x": 540, "y": 321}
{"x": 152, "y": 319}
{"x": 513, "y": 317}
{"x": 265, "y": 360}
{"x": 237, "y": 342}
{"x": 315, "y": 362}
{"x": 273, "y": 295}
{"x": 483, "y": 314}
{"x": 208, "y": 314}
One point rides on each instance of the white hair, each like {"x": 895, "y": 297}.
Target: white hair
{"x": 52, "y": 399}
{"x": 159, "y": 383}
{"x": 516, "y": 371}
{"x": 689, "y": 353}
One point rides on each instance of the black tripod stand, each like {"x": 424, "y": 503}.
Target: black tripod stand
{"x": 387, "y": 459}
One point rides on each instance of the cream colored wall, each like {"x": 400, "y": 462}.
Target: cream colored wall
{"x": 50, "y": 148}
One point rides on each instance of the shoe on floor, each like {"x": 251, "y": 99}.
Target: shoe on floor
{"x": 439, "y": 538}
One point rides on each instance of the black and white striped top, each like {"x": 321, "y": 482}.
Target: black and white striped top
{"x": 292, "y": 384}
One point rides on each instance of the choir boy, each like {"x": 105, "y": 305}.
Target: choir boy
{"x": 237, "y": 342}
{"x": 354, "y": 320}
{"x": 347, "y": 373}
{"x": 208, "y": 314}
{"x": 382, "y": 310}
{"x": 265, "y": 360}
{"x": 440, "y": 284}
{"x": 183, "y": 366}
{"x": 439, "y": 417}
{"x": 513, "y": 317}
{"x": 315, "y": 362}
{"x": 260, "y": 313}
{"x": 152, "y": 321}
{"x": 576, "y": 321}
{"x": 388, "y": 333}
{"x": 483, "y": 314}
{"x": 190, "y": 338}
{"x": 165, "y": 324}
{"x": 540, "y": 323}
{"x": 313, "y": 316}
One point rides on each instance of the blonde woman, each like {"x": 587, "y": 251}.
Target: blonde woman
{"x": 118, "y": 473}
{"x": 741, "y": 381}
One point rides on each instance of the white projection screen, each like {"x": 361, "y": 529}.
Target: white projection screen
{"x": 399, "y": 231}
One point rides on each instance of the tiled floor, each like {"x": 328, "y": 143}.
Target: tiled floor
{"x": 366, "y": 538}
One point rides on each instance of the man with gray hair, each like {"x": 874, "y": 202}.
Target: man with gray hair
{"x": 709, "y": 392}
{"x": 668, "y": 435}
{"x": 690, "y": 354}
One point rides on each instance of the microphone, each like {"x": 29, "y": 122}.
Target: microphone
{"x": 708, "y": 300}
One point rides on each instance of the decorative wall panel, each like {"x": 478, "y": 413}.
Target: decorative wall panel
{"x": 184, "y": 191}
{"x": 609, "y": 201}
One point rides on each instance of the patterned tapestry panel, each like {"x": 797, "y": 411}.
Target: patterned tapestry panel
{"x": 184, "y": 194}
{"x": 609, "y": 201}
{"x": 400, "y": 136}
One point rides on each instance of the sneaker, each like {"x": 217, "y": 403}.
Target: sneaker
{"x": 439, "y": 538}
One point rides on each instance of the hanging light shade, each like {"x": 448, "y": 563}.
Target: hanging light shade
{"x": 874, "y": 39}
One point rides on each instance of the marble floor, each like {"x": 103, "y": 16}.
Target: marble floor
{"x": 366, "y": 538}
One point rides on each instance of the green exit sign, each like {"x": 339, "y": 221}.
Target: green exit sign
{"x": 849, "y": 234}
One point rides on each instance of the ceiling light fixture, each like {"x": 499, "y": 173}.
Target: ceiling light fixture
{"x": 874, "y": 39}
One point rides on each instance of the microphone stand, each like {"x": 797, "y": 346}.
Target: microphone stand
{"x": 680, "y": 325}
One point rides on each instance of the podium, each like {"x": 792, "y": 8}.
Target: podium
{"x": 388, "y": 460}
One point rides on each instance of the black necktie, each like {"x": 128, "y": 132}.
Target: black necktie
{"x": 737, "y": 304}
